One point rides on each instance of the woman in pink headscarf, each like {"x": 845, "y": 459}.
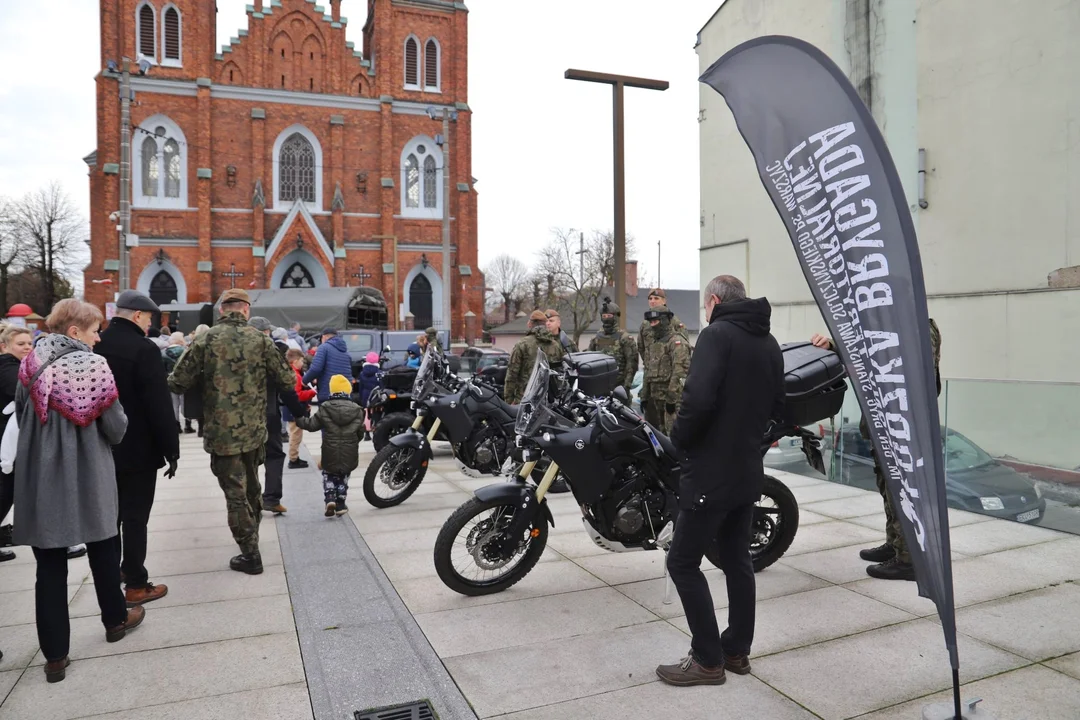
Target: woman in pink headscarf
{"x": 65, "y": 482}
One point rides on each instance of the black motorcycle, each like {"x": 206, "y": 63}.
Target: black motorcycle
{"x": 623, "y": 473}
{"x": 470, "y": 415}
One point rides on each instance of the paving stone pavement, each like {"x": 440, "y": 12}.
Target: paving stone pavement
{"x": 579, "y": 637}
{"x": 221, "y": 644}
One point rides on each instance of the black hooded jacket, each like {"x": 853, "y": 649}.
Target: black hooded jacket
{"x": 735, "y": 386}
{"x": 9, "y": 380}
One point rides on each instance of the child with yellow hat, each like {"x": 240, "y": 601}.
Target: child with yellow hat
{"x": 342, "y": 424}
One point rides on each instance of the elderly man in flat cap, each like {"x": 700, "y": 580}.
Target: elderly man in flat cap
{"x": 152, "y": 438}
{"x": 235, "y": 364}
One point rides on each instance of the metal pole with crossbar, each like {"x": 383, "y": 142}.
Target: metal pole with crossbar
{"x": 618, "y": 82}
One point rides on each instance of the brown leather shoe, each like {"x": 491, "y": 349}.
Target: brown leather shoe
{"x": 738, "y": 664}
{"x": 56, "y": 670}
{"x": 135, "y": 617}
{"x": 689, "y": 672}
{"x": 277, "y": 509}
{"x": 147, "y": 593}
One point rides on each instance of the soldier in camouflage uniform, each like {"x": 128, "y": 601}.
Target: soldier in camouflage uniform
{"x": 616, "y": 343}
{"x": 233, "y": 363}
{"x": 892, "y": 558}
{"x": 667, "y": 362}
{"x": 658, "y": 297}
{"x": 433, "y": 340}
{"x": 523, "y": 356}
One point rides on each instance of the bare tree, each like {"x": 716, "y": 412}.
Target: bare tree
{"x": 12, "y": 251}
{"x": 509, "y": 277}
{"x": 579, "y": 278}
{"x": 51, "y": 233}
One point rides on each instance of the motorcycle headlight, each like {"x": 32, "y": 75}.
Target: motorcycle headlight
{"x": 992, "y": 503}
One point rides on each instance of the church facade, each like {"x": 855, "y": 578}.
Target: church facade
{"x": 289, "y": 158}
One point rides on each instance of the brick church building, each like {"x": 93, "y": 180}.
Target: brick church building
{"x": 288, "y": 158}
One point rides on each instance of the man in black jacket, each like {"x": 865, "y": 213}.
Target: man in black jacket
{"x": 152, "y": 436}
{"x": 734, "y": 387}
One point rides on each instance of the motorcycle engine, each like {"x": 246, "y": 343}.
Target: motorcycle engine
{"x": 489, "y": 450}
{"x": 639, "y": 498}
{"x": 629, "y": 518}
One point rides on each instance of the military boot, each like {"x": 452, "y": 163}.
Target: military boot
{"x": 250, "y": 563}
{"x": 879, "y": 554}
{"x": 892, "y": 569}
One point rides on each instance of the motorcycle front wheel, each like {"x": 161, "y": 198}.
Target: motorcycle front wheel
{"x": 776, "y": 520}
{"x": 468, "y": 551}
{"x": 388, "y": 481}
{"x": 389, "y": 426}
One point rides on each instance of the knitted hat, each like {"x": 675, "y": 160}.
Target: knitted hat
{"x": 340, "y": 385}
{"x": 372, "y": 357}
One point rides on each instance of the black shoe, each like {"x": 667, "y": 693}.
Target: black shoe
{"x": 199, "y": 433}
{"x": 367, "y": 437}
{"x": 6, "y": 555}
{"x": 5, "y": 536}
{"x": 892, "y": 570}
{"x": 879, "y": 554}
{"x": 187, "y": 428}
{"x": 298, "y": 464}
{"x": 76, "y": 551}
{"x": 250, "y": 563}
{"x": 341, "y": 509}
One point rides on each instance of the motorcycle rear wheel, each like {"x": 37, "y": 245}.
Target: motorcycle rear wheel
{"x": 476, "y": 545}
{"x": 776, "y": 520}
{"x": 387, "y": 469}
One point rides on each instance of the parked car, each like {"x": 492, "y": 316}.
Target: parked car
{"x": 475, "y": 359}
{"x": 974, "y": 480}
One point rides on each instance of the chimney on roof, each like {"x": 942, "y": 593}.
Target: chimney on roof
{"x": 631, "y": 278}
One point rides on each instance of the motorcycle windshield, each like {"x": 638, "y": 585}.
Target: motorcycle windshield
{"x": 535, "y": 408}
{"x": 425, "y": 376}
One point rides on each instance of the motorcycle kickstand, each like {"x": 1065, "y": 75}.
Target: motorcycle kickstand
{"x": 667, "y": 582}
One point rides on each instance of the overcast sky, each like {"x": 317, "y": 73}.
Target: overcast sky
{"x": 542, "y": 145}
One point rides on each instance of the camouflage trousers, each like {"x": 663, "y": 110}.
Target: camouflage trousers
{"x": 238, "y": 476}
{"x": 894, "y": 535}
{"x": 656, "y": 413}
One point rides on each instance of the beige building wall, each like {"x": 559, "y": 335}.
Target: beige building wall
{"x": 989, "y": 88}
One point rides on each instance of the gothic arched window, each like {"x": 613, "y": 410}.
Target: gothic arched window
{"x": 421, "y": 179}
{"x": 297, "y": 276}
{"x": 170, "y": 21}
{"x": 161, "y": 161}
{"x": 431, "y": 64}
{"x": 412, "y": 63}
{"x": 412, "y": 182}
{"x": 146, "y": 21}
{"x": 149, "y": 167}
{"x": 297, "y": 170}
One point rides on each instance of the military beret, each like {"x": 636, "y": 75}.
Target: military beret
{"x": 658, "y": 292}
{"x": 551, "y": 313}
{"x": 235, "y": 295}
{"x": 135, "y": 300}
{"x": 538, "y": 316}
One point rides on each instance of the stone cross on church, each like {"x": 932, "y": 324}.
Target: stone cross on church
{"x": 362, "y": 276}
{"x": 232, "y": 275}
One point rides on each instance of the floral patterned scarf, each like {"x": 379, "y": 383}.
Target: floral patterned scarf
{"x": 79, "y": 385}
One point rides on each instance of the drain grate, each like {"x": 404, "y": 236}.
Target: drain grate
{"x": 420, "y": 710}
